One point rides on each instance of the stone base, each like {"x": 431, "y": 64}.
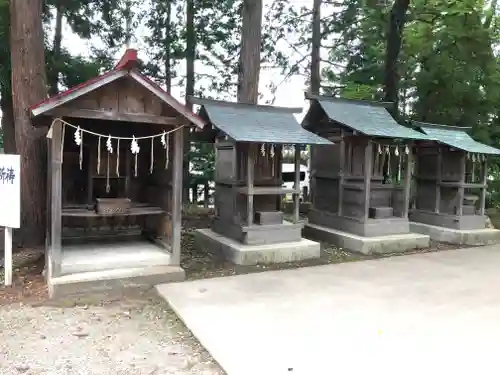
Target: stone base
{"x": 367, "y": 245}
{"x": 112, "y": 282}
{"x": 248, "y": 255}
{"x": 470, "y": 237}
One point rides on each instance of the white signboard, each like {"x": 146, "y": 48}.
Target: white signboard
{"x": 10, "y": 191}
{"x": 10, "y": 200}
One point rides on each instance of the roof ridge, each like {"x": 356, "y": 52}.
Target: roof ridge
{"x": 369, "y": 103}
{"x": 223, "y": 103}
{"x": 440, "y": 126}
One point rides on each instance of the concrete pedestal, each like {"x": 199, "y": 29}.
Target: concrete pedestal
{"x": 247, "y": 255}
{"x": 473, "y": 237}
{"x": 112, "y": 282}
{"x": 111, "y": 267}
{"x": 367, "y": 245}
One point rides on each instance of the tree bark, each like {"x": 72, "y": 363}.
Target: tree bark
{"x": 206, "y": 195}
{"x": 393, "y": 48}
{"x": 190, "y": 82}
{"x": 168, "y": 41}
{"x": 249, "y": 64}
{"x": 315, "y": 48}
{"x": 56, "y": 52}
{"x": 28, "y": 88}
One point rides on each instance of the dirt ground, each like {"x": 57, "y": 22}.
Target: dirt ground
{"x": 137, "y": 334}
{"x": 199, "y": 264}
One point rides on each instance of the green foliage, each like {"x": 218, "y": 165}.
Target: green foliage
{"x": 202, "y": 157}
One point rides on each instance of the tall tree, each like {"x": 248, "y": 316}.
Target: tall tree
{"x": 190, "y": 84}
{"x": 316, "y": 48}
{"x": 249, "y": 65}
{"x": 8, "y": 140}
{"x": 28, "y": 88}
{"x": 53, "y": 74}
{"x": 394, "y": 40}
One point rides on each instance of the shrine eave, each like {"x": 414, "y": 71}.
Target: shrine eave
{"x": 455, "y": 137}
{"x": 127, "y": 66}
{"x": 365, "y": 117}
{"x": 256, "y": 123}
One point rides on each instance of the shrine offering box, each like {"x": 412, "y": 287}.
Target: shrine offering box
{"x": 112, "y": 206}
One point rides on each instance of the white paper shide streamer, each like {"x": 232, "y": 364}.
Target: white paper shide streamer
{"x": 79, "y": 142}
{"x": 109, "y": 147}
{"x": 165, "y": 141}
{"x": 134, "y": 148}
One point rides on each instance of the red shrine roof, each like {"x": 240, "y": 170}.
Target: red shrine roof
{"x": 127, "y": 66}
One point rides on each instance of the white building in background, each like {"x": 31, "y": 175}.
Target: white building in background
{"x": 288, "y": 175}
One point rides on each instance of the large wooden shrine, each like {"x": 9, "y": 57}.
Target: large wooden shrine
{"x": 451, "y": 182}
{"x": 249, "y": 188}
{"x": 361, "y": 184}
{"x": 115, "y": 180}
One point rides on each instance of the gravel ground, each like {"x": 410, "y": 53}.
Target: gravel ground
{"x": 200, "y": 264}
{"x": 126, "y": 337}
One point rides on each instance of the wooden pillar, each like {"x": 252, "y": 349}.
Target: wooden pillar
{"x": 439, "y": 172}
{"x": 341, "y": 173}
{"x": 407, "y": 182}
{"x": 90, "y": 178}
{"x": 484, "y": 189}
{"x": 278, "y": 175}
{"x": 312, "y": 175}
{"x": 368, "y": 176}
{"x": 349, "y": 157}
{"x": 296, "y": 186}
{"x": 128, "y": 172}
{"x": 56, "y": 199}
{"x": 250, "y": 180}
{"x": 177, "y": 169}
{"x": 461, "y": 189}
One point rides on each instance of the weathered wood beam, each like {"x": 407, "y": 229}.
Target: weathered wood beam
{"x": 56, "y": 199}
{"x": 368, "y": 177}
{"x": 115, "y": 116}
{"x": 461, "y": 189}
{"x": 439, "y": 171}
{"x": 250, "y": 178}
{"x": 177, "y": 196}
{"x": 407, "y": 182}
{"x": 296, "y": 186}
{"x": 484, "y": 181}
{"x": 341, "y": 174}
{"x": 90, "y": 179}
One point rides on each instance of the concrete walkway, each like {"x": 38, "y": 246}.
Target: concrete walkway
{"x": 435, "y": 313}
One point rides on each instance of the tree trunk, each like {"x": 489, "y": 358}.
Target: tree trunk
{"x": 315, "y": 48}
{"x": 190, "y": 59}
{"x": 56, "y": 53}
{"x": 128, "y": 23}
{"x": 249, "y": 64}
{"x": 29, "y": 87}
{"x": 394, "y": 41}
{"x": 206, "y": 195}
{"x": 168, "y": 41}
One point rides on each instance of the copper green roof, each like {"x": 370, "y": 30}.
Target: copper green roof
{"x": 368, "y": 118}
{"x": 256, "y": 123}
{"x": 456, "y": 137}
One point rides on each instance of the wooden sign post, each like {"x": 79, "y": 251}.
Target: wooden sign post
{"x": 10, "y": 201}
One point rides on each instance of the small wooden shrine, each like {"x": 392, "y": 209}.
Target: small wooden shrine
{"x": 361, "y": 184}
{"x": 115, "y": 174}
{"x": 249, "y": 188}
{"x": 451, "y": 178}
